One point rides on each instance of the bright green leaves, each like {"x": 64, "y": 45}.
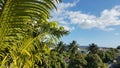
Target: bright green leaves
{"x": 26, "y": 33}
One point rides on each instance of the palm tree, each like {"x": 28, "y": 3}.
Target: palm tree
{"x": 61, "y": 48}
{"x": 24, "y": 28}
{"x": 73, "y": 47}
{"x": 93, "y": 48}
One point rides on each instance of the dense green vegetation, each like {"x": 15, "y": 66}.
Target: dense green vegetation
{"x": 25, "y": 32}
{"x": 29, "y": 40}
{"x": 93, "y": 58}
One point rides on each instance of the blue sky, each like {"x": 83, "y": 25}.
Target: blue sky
{"x": 90, "y": 21}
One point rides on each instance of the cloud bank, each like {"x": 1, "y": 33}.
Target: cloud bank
{"x": 69, "y": 18}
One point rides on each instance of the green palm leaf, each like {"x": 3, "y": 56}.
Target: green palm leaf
{"x": 23, "y": 28}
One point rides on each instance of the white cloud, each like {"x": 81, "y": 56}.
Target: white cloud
{"x": 107, "y": 18}
{"x": 68, "y": 28}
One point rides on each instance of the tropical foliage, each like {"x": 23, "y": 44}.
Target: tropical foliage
{"x": 93, "y": 48}
{"x": 26, "y": 33}
{"x": 29, "y": 40}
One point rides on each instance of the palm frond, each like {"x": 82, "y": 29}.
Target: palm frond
{"x": 23, "y": 27}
